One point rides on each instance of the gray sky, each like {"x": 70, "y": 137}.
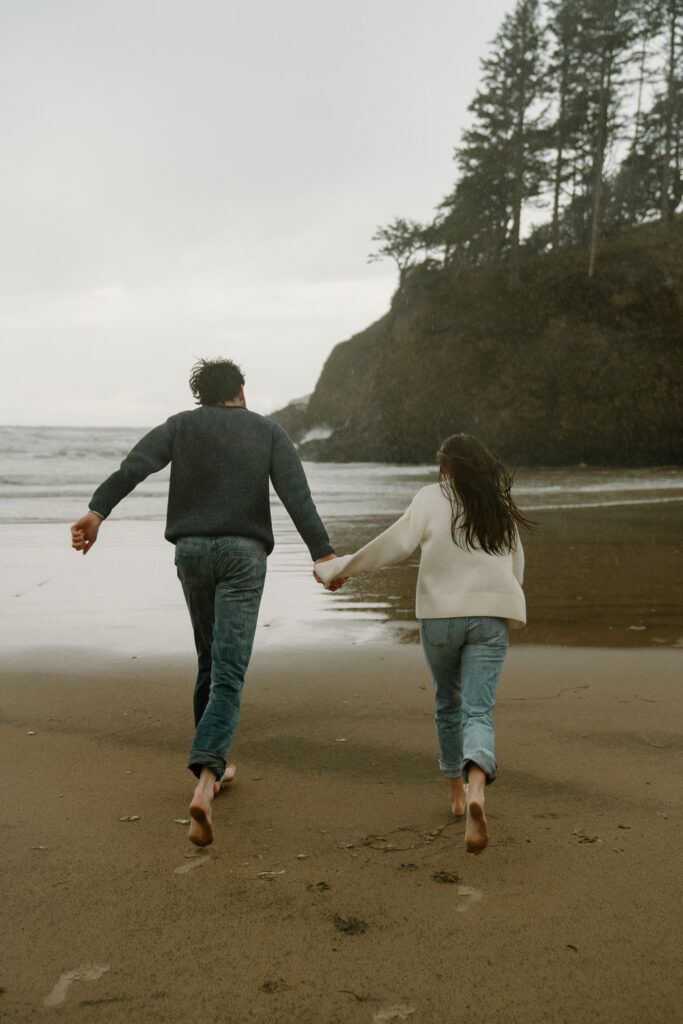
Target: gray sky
{"x": 185, "y": 178}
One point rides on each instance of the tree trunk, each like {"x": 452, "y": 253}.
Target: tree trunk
{"x": 641, "y": 82}
{"x": 555, "y": 237}
{"x": 513, "y": 276}
{"x": 600, "y": 146}
{"x": 559, "y": 159}
{"x": 668, "y": 124}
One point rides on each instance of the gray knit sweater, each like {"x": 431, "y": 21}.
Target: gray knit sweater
{"x": 222, "y": 458}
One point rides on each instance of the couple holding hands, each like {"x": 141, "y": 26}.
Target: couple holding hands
{"x": 469, "y": 590}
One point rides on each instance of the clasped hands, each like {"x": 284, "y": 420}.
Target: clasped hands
{"x": 335, "y": 584}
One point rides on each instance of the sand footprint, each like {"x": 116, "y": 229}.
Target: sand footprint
{"x": 466, "y": 897}
{"x": 195, "y": 862}
{"x": 58, "y": 994}
{"x": 393, "y": 1013}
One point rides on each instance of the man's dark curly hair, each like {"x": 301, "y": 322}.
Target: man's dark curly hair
{"x": 213, "y": 381}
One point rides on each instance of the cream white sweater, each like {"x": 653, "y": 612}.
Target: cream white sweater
{"x": 452, "y": 580}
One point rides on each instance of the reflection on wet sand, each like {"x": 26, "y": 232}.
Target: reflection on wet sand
{"x": 605, "y": 576}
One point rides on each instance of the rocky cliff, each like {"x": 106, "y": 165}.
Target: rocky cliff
{"x": 565, "y": 370}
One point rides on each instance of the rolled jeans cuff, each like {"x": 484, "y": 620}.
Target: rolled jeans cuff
{"x": 449, "y": 770}
{"x": 206, "y": 759}
{"x": 483, "y": 759}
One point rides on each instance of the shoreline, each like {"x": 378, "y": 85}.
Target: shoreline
{"x": 338, "y": 881}
{"x": 594, "y": 577}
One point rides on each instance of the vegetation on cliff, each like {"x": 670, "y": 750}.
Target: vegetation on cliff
{"x": 563, "y": 370}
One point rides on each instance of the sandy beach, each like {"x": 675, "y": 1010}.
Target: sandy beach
{"x": 338, "y": 889}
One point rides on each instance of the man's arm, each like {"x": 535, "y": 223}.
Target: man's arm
{"x": 291, "y": 485}
{"x": 150, "y": 454}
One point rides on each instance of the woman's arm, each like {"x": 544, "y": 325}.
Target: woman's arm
{"x": 397, "y": 542}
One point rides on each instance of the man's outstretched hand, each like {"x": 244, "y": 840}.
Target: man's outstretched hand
{"x": 335, "y": 584}
{"x": 84, "y": 532}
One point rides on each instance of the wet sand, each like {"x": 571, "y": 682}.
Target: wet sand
{"x": 605, "y": 577}
{"x": 338, "y": 888}
{"x": 609, "y": 576}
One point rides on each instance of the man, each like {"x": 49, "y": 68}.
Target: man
{"x": 222, "y": 457}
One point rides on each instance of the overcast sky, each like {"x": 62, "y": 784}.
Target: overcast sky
{"x": 185, "y": 178}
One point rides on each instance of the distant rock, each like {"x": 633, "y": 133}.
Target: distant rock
{"x": 293, "y": 417}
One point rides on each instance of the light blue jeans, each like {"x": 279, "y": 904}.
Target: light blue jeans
{"x": 465, "y": 656}
{"x": 222, "y": 579}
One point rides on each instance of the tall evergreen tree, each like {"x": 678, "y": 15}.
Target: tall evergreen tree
{"x": 500, "y": 156}
{"x": 566, "y": 87}
{"x": 670, "y": 104}
{"x": 610, "y": 27}
{"x": 648, "y": 183}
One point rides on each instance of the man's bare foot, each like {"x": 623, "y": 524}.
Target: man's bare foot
{"x": 228, "y": 776}
{"x": 476, "y": 828}
{"x": 456, "y": 789}
{"x": 201, "y": 826}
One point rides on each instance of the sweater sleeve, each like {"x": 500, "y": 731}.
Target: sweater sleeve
{"x": 150, "y": 454}
{"x": 397, "y": 542}
{"x": 290, "y": 483}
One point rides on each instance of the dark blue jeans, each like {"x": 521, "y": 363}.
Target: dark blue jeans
{"x": 222, "y": 579}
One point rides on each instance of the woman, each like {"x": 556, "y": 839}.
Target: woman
{"x": 469, "y": 589}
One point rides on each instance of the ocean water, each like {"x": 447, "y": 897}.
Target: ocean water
{"x": 604, "y": 560}
{"x": 48, "y": 474}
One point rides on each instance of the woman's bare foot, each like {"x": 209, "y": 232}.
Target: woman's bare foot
{"x": 456, "y": 788}
{"x": 201, "y": 826}
{"x": 476, "y": 827}
{"x": 228, "y": 776}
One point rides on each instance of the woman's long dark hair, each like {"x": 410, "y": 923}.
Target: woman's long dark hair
{"x": 478, "y": 485}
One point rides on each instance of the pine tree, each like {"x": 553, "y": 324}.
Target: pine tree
{"x": 566, "y": 79}
{"x": 610, "y": 28}
{"x": 671, "y": 115}
{"x": 648, "y": 183}
{"x": 500, "y": 157}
